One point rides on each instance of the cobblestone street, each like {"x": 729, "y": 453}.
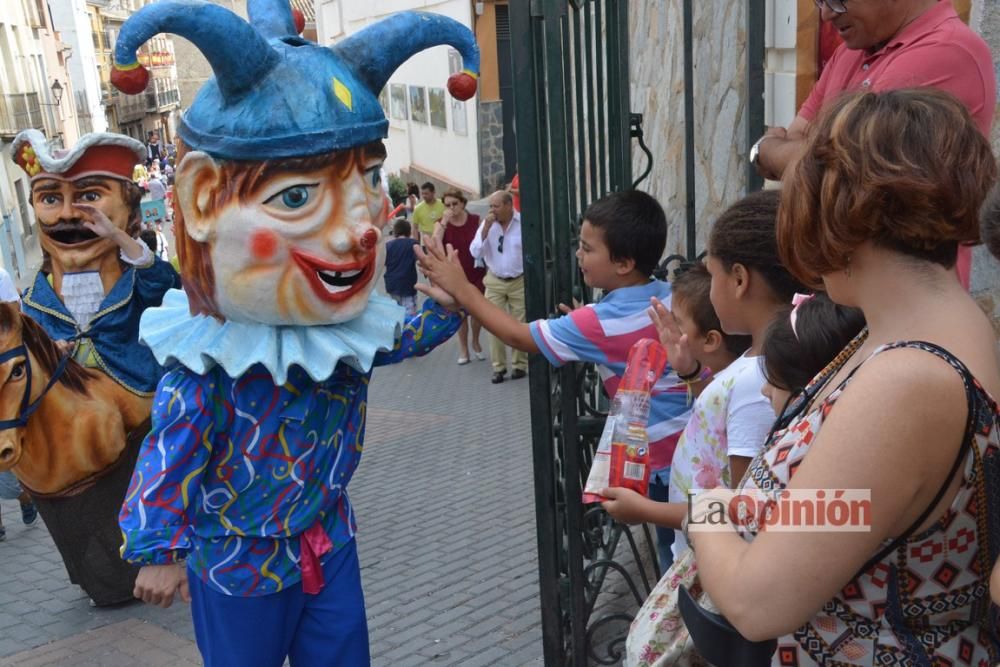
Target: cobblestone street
{"x": 446, "y": 536}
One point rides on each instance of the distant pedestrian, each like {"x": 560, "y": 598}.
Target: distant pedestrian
{"x": 154, "y": 148}
{"x": 412, "y": 198}
{"x": 401, "y": 267}
{"x": 427, "y": 212}
{"x": 458, "y": 227}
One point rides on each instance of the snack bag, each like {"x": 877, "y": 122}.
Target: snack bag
{"x": 622, "y": 457}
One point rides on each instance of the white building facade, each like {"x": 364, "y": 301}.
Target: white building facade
{"x": 431, "y": 135}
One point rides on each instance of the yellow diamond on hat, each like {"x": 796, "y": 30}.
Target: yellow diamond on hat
{"x": 343, "y": 93}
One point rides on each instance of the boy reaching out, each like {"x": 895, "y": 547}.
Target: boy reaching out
{"x": 621, "y": 241}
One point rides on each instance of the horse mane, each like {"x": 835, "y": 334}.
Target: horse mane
{"x": 44, "y": 350}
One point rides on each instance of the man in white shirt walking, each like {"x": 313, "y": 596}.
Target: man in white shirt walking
{"x": 498, "y": 244}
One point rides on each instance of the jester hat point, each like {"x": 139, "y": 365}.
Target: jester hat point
{"x": 276, "y": 95}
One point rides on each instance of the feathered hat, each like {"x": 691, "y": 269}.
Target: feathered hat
{"x": 95, "y": 154}
{"x": 277, "y": 95}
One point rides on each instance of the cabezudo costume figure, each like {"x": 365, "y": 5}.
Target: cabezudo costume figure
{"x": 74, "y": 432}
{"x": 239, "y": 493}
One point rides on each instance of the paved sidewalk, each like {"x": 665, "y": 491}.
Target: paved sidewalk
{"x": 445, "y": 508}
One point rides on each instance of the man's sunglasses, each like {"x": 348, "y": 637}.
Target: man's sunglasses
{"x": 835, "y": 6}
{"x": 500, "y": 244}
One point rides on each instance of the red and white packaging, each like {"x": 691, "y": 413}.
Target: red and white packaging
{"x": 622, "y": 457}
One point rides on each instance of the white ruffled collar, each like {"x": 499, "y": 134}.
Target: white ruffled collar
{"x": 200, "y": 342}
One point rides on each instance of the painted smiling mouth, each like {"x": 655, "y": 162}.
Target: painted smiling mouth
{"x": 334, "y": 283}
{"x": 339, "y": 279}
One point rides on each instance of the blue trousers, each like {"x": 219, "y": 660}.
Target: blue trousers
{"x": 324, "y": 630}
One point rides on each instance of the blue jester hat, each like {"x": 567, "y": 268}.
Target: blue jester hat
{"x": 277, "y": 95}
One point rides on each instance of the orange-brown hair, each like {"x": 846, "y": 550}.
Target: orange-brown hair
{"x": 455, "y": 193}
{"x": 238, "y": 181}
{"x": 905, "y": 169}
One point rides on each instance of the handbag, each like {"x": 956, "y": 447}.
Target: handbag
{"x": 658, "y": 636}
{"x": 717, "y": 640}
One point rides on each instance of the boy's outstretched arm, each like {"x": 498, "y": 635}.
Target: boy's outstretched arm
{"x": 442, "y": 268}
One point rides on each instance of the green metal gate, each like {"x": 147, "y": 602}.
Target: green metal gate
{"x": 573, "y": 125}
{"x": 574, "y": 131}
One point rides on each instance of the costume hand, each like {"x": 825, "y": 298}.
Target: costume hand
{"x": 441, "y": 266}
{"x": 672, "y": 338}
{"x": 625, "y": 505}
{"x": 157, "y": 584}
{"x": 566, "y": 310}
{"x": 96, "y": 221}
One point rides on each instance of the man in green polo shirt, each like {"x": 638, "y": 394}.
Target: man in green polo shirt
{"x": 427, "y": 212}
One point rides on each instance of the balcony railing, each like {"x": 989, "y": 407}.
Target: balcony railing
{"x": 19, "y": 111}
{"x": 159, "y": 100}
{"x": 130, "y": 107}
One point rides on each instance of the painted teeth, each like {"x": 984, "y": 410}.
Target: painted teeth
{"x": 347, "y": 275}
{"x": 338, "y": 281}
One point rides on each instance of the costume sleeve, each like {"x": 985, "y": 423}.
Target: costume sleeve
{"x": 422, "y": 332}
{"x": 565, "y": 339}
{"x": 154, "y": 518}
{"x": 153, "y": 281}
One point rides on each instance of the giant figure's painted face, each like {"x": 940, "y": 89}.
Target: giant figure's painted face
{"x": 64, "y": 237}
{"x": 293, "y": 242}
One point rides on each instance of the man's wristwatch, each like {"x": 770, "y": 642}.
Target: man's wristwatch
{"x": 755, "y": 150}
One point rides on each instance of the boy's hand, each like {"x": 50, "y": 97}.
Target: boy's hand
{"x": 566, "y": 310}
{"x": 441, "y": 266}
{"x": 625, "y": 505}
{"x": 672, "y": 338}
{"x": 157, "y": 584}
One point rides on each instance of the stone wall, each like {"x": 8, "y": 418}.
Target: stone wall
{"x": 657, "y": 87}
{"x": 491, "y": 163}
{"x": 985, "y": 19}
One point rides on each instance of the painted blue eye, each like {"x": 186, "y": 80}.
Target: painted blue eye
{"x": 295, "y": 197}
{"x": 375, "y": 176}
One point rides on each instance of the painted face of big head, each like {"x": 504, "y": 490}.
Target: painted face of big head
{"x": 284, "y": 242}
{"x": 68, "y": 242}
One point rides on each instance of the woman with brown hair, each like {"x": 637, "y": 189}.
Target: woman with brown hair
{"x": 874, "y": 211}
{"x": 457, "y": 227}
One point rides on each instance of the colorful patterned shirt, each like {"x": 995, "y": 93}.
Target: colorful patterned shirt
{"x": 235, "y": 469}
{"x": 603, "y": 333}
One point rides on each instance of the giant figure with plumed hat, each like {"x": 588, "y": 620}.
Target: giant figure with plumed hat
{"x": 77, "y": 432}
{"x": 238, "y": 501}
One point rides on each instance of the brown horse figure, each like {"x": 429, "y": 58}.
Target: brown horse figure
{"x": 80, "y": 427}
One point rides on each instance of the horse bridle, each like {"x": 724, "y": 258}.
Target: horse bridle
{"x": 28, "y": 408}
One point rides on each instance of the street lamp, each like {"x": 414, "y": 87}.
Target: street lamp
{"x": 57, "y": 92}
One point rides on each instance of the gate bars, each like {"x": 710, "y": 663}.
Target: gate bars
{"x": 573, "y": 126}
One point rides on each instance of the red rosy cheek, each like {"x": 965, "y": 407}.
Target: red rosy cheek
{"x": 263, "y": 244}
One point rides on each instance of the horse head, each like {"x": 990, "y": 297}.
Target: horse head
{"x": 28, "y": 360}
